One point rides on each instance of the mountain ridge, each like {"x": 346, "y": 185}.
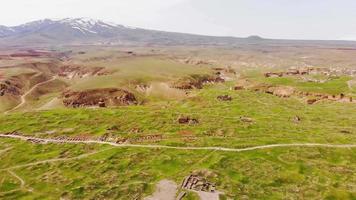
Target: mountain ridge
{"x": 91, "y": 31}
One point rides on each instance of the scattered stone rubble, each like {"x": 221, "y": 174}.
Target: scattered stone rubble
{"x": 313, "y": 71}
{"x": 86, "y": 137}
{"x": 151, "y": 138}
{"x": 36, "y": 141}
{"x": 195, "y": 61}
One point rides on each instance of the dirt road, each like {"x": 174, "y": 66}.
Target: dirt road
{"x": 23, "y": 97}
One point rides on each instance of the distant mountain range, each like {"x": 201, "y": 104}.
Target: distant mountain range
{"x": 89, "y": 31}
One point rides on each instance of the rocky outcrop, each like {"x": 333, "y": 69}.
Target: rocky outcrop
{"x": 11, "y": 88}
{"x": 197, "y": 81}
{"x": 98, "y": 98}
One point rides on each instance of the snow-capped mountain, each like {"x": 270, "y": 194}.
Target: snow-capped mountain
{"x": 6, "y": 31}
{"x": 65, "y": 30}
{"x": 89, "y": 31}
{"x": 77, "y": 26}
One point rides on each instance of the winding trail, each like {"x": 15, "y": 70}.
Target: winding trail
{"x": 54, "y": 160}
{"x": 23, "y": 97}
{"x": 350, "y": 83}
{"x": 42, "y": 140}
{"x": 17, "y": 177}
{"x": 4, "y": 150}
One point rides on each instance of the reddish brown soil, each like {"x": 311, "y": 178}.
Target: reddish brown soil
{"x": 31, "y": 53}
{"x": 99, "y": 97}
{"x": 14, "y": 85}
{"x": 70, "y": 71}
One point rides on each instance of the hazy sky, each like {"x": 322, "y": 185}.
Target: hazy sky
{"x": 293, "y": 19}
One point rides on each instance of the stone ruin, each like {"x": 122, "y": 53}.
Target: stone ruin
{"x": 197, "y": 183}
{"x": 224, "y": 98}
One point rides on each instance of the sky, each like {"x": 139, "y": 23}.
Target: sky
{"x": 280, "y": 19}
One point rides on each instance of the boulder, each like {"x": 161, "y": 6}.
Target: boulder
{"x": 187, "y": 120}
{"x": 246, "y": 119}
{"x": 312, "y": 101}
{"x": 224, "y": 98}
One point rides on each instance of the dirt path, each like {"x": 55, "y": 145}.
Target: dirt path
{"x": 17, "y": 177}
{"x": 55, "y": 160}
{"x": 181, "y": 148}
{"x": 4, "y": 150}
{"x": 350, "y": 84}
{"x": 23, "y": 97}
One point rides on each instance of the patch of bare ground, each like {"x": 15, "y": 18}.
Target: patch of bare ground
{"x": 163, "y": 90}
{"x": 288, "y": 91}
{"x": 165, "y": 190}
{"x": 53, "y": 103}
{"x": 98, "y": 98}
{"x": 313, "y": 71}
{"x": 75, "y": 71}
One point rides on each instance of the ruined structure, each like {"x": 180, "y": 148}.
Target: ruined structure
{"x": 194, "y": 182}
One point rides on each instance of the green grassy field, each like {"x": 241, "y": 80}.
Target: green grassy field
{"x": 124, "y": 173}
{"x": 93, "y": 171}
{"x": 129, "y": 173}
{"x": 219, "y": 122}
